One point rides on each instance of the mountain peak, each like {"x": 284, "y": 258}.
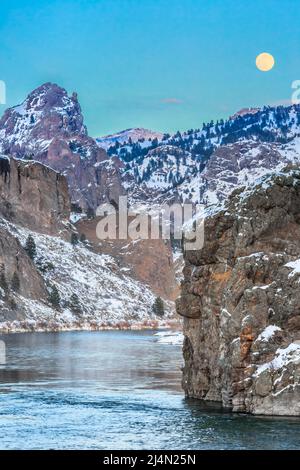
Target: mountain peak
{"x": 47, "y": 86}
{"x": 48, "y": 112}
{"x": 134, "y": 134}
{"x": 244, "y": 112}
{"x": 47, "y": 96}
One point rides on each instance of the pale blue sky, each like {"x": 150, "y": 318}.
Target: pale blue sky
{"x": 161, "y": 64}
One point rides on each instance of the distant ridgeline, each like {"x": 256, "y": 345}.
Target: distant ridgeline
{"x": 269, "y": 124}
{"x": 175, "y": 164}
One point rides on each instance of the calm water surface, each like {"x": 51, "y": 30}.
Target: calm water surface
{"x": 115, "y": 390}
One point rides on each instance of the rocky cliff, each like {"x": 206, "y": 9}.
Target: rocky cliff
{"x": 33, "y": 195}
{"x": 240, "y": 301}
{"x": 14, "y": 261}
{"x": 36, "y": 197}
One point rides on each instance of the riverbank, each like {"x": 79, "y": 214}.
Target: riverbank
{"x": 34, "y": 326}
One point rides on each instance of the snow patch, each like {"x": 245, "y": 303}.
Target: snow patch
{"x": 295, "y": 266}
{"x": 170, "y": 337}
{"x": 268, "y": 332}
{"x": 283, "y": 357}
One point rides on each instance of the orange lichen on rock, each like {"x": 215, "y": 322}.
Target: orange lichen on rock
{"x": 221, "y": 277}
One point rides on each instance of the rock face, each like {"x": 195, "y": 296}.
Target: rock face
{"x": 36, "y": 197}
{"x": 33, "y": 195}
{"x": 48, "y": 126}
{"x": 241, "y": 302}
{"x": 15, "y": 261}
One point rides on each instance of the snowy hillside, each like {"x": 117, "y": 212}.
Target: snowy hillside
{"x": 237, "y": 165}
{"x": 205, "y": 165}
{"x": 163, "y": 168}
{"x": 269, "y": 124}
{"x": 107, "y": 297}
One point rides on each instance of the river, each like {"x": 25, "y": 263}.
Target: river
{"x": 115, "y": 390}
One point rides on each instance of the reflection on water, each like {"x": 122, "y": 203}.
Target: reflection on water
{"x": 108, "y": 360}
{"x": 109, "y": 390}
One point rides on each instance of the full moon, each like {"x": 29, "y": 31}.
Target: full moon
{"x": 265, "y": 61}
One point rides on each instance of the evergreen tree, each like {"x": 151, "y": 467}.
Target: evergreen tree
{"x": 74, "y": 239}
{"x": 111, "y": 151}
{"x": 90, "y": 213}
{"x": 76, "y": 208}
{"x": 30, "y": 247}
{"x": 3, "y": 282}
{"x": 15, "y": 282}
{"x": 12, "y": 303}
{"x": 158, "y": 307}
{"x": 154, "y": 143}
{"x": 54, "y": 297}
{"x": 83, "y": 238}
{"x": 74, "y": 303}
{"x": 72, "y": 146}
